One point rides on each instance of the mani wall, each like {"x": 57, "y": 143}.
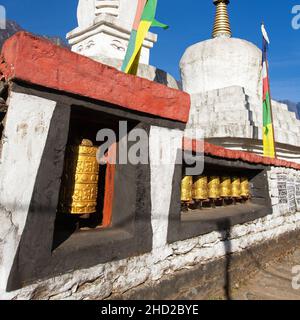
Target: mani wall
{"x": 136, "y": 257}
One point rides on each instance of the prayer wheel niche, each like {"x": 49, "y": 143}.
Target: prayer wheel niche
{"x": 200, "y": 188}
{"x": 80, "y": 180}
{"x": 186, "y": 189}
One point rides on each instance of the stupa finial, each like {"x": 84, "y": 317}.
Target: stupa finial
{"x": 222, "y": 23}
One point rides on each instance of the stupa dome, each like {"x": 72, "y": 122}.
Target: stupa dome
{"x": 221, "y": 62}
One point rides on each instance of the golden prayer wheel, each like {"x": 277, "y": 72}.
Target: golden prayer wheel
{"x": 214, "y": 187}
{"x": 225, "y": 186}
{"x": 80, "y": 181}
{"x": 236, "y": 187}
{"x": 186, "y": 189}
{"x": 245, "y": 190}
{"x": 200, "y": 188}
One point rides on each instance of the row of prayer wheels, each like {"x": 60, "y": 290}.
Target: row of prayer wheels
{"x": 201, "y": 188}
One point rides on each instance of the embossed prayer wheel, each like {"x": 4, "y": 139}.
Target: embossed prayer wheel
{"x": 200, "y": 188}
{"x": 245, "y": 190}
{"x": 225, "y": 186}
{"x": 236, "y": 187}
{"x": 80, "y": 181}
{"x": 214, "y": 187}
{"x": 186, "y": 189}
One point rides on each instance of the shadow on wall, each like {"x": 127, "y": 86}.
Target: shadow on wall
{"x": 161, "y": 77}
{"x": 257, "y": 259}
{"x": 224, "y": 227}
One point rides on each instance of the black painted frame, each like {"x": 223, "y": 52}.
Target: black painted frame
{"x": 131, "y": 230}
{"x": 199, "y": 222}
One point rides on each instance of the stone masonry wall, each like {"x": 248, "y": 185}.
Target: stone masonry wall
{"x": 116, "y": 278}
{"x": 240, "y": 116}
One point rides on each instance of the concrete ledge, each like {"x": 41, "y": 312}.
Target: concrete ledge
{"x": 34, "y": 60}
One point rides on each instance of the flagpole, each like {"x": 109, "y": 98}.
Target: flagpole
{"x": 269, "y": 88}
{"x": 271, "y": 106}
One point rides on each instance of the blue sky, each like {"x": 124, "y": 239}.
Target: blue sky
{"x": 191, "y": 21}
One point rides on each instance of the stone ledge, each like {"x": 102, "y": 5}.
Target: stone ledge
{"x": 34, "y": 60}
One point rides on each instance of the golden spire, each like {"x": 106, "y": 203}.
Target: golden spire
{"x": 222, "y": 24}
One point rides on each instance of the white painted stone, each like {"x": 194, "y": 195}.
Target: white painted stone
{"x": 212, "y": 237}
{"x": 163, "y": 146}
{"x": 181, "y": 247}
{"x": 274, "y": 201}
{"x": 26, "y": 129}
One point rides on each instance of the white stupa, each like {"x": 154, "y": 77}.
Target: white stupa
{"x": 224, "y": 77}
{"x": 103, "y": 32}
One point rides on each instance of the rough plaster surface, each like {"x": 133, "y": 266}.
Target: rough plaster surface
{"x": 23, "y": 141}
{"x": 165, "y": 260}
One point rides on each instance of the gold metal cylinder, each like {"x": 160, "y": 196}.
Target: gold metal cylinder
{"x": 245, "y": 190}
{"x": 236, "y": 187}
{"x": 186, "y": 188}
{"x": 222, "y": 23}
{"x": 200, "y": 188}
{"x": 214, "y": 187}
{"x": 80, "y": 181}
{"x": 225, "y": 186}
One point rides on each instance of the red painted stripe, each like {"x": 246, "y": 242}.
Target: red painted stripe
{"x": 108, "y": 195}
{"x": 38, "y": 61}
{"x": 265, "y": 87}
{"x": 109, "y": 188}
{"x": 220, "y": 152}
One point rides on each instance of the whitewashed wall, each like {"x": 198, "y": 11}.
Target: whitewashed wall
{"x": 103, "y": 280}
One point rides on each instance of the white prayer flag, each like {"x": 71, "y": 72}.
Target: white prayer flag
{"x": 265, "y": 34}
